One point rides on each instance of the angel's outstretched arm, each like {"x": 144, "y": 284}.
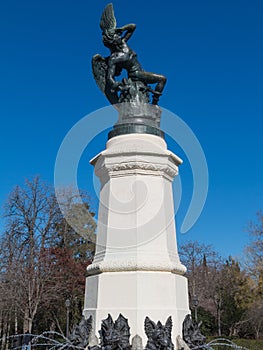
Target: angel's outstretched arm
{"x": 128, "y": 28}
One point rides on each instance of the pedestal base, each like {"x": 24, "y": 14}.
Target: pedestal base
{"x": 136, "y": 295}
{"x": 136, "y": 270}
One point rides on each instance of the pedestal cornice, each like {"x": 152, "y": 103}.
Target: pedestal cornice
{"x": 139, "y": 154}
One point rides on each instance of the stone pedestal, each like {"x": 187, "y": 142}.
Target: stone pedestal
{"x": 136, "y": 270}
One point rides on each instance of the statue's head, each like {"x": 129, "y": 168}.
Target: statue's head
{"x": 110, "y": 38}
{"x": 159, "y": 336}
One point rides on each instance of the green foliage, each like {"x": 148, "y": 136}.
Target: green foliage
{"x": 236, "y": 294}
{"x": 251, "y": 344}
{"x": 230, "y": 302}
{"x": 208, "y": 326}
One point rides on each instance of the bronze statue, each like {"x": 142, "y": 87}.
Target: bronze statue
{"x": 192, "y": 334}
{"x": 81, "y": 333}
{"x": 159, "y": 336}
{"x": 115, "y": 335}
{"x": 135, "y": 87}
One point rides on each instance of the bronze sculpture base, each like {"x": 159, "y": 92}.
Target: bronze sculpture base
{"x": 132, "y": 128}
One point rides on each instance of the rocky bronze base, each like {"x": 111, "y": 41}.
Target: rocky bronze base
{"x": 137, "y": 118}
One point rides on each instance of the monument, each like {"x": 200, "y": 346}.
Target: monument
{"x": 136, "y": 278}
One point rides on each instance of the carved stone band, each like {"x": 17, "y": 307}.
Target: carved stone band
{"x": 135, "y": 265}
{"x": 141, "y": 168}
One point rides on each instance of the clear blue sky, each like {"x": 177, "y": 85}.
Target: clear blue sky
{"x": 212, "y": 54}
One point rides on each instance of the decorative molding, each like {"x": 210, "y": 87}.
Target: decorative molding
{"x": 137, "y": 343}
{"x": 144, "y": 166}
{"x": 122, "y": 265}
{"x": 138, "y": 167}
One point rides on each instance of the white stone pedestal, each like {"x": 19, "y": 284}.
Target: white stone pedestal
{"x": 136, "y": 270}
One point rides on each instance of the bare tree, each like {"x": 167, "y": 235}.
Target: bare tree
{"x": 201, "y": 260}
{"x": 30, "y": 213}
{"x": 203, "y": 269}
{"x": 42, "y": 257}
{"x": 254, "y": 250}
{"x": 222, "y": 288}
{"x": 254, "y": 265}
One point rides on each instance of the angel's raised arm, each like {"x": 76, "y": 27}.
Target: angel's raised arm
{"x": 128, "y": 28}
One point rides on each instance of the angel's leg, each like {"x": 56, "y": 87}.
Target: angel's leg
{"x": 152, "y": 78}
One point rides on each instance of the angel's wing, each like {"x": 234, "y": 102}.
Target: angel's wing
{"x": 108, "y": 21}
{"x": 99, "y": 70}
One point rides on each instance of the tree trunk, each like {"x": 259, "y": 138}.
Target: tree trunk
{"x": 1, "y": 324}
{"x": 16, "y": 322}
{"x": 4, "y": 332}
{"x": 25, "y": 321}
{"x": 219, "y": 322}
{"x": 7, "y": 345}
